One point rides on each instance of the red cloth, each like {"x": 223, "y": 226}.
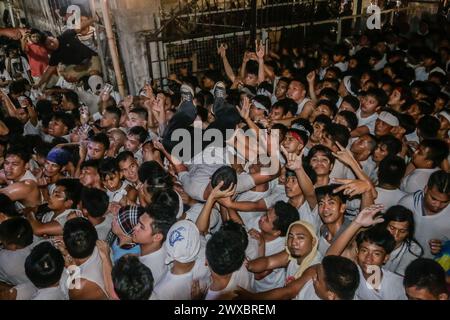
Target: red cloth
{"x": 37, "y": 58}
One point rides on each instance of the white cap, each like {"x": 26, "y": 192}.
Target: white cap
{"x": 445, "y": 114}
{"x": 183, "y": 242}
{"x": 95, "y": 83}
{"x": 389, "y": 118}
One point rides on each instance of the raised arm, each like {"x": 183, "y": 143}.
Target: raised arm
{"x": 222, "y": 51}
{"x": 295, "y": 163}
{"x": 260, "y": 51}
{"x": 205, "y": 215}
{"x": 365, "y": 218}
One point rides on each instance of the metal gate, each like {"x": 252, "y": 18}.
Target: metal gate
{"x": 189, "y": 35}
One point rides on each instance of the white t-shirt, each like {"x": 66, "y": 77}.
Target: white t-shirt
{"x": 25, "y": 291}
{"x": 307, "y": 292}
{"x": 61, "y": 218}
{"x": 254, "y": 196}
{"x": 53, "y": 293}
{"x": 276, "y": 278}
{"x": 370, "y": 168}
{"x": 215, "y": 219}
{"x": 428, "y": 227}
{"x": 241, "y": 278}
{"x": 203, "y": 166}
{"x": 178, "y": 286}
{"x": 401, "y": 257}
{"x": 277, "y": 194}
{"x": 12, "y": 265}
{"x": 369, "y": 121}
{"x": 416, "y": 180}
{"x": 341, "y": 171}
{"x": 156, "y": 262}
{"x": 91, "y": 270}
{"x": 311, "y": 216}
{"x": 104, "y": 228}
{"x": 391, "y": 287}
{"x": 389, "y": 198}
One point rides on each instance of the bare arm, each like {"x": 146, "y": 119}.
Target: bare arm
{"x": 365, "y": 218}
{"x": 290, "y": 291}
{"x": 278, "y": 260}
{"x": 360, "y": 131}
{"x": 51, "y": 70}
{"x": 226, "y": 64}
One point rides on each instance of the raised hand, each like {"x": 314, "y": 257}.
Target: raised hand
{"x": 245, "y": 110}
{"x": 216, "y": 193}
{"x": 293, "y": 161}
{"x": 127, "y": 102}
{"x": 260, "y": 50}
{"x": 222, "y": 50}
{"x": 311, "y": 77}
{"x": 352, "y": 187}
{"x": 367, "y": 216}
{"x": 345, "y": 155}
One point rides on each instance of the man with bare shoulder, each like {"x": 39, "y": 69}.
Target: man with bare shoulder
{"x": 21, "y": 183}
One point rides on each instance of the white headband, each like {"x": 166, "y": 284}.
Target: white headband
{"x": 348, "y": 85}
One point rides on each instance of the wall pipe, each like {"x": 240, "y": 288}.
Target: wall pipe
{"x": 112, "y": 47}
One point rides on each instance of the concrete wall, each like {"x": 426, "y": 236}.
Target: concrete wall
{"x": 132, "y": 17}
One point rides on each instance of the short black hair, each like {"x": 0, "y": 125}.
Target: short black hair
{"x": 72, "y": 97}
{"x": 7, "y": 206}
{"x": 19, "y": 151}
{"x": 328, "y": 190}
{"x": 378, "y": 235}
{"x": 393, "y": 145}
{"x": 441, "y": 180}
{"x": 379, "y": 95}
{"x": 350, "y": 117}
{"x": 163, "y": 218}
{"x": 391, "y": 171}
{"x": 321, "y": 118}
{"x": 237, "y": 228}
{"x": 155, "y": 176}
{"x": 352, "y": 101}
{"x": 320, "y": 148}
{"x": 426, "y": 274}
{"x": 95, "y": 201}
{"x": 66, "y": 118}
{"x": 286, "y": 215}
{"x": 91, "y": 163}
{"x": 341, "y": 276}
{"x": 72, "y": 189}
{"x": 132, "y": 279}
{"x": 168, "y": 199}
{"x": 114, "y": 111}
{"x": 226, "y": 174}
{"x": 44, "y": 265}
{"x": 16, "y": 231}
{"x": 124, "y": 155}
{"x": 80, "y": 237}
{"x": 141, "y": 112}
{"x": 330, "y": 94}
{"x": 108, "y": 166}
{"x": 224, "y": 252}
{"x": 428, "y": 127}
{"x": 101, "y": 138}
{"x": 338, "y": 132}
{"x": 437, "y": 150}
{"x": 140, "y": 132}
{"x": 329, "y": 104}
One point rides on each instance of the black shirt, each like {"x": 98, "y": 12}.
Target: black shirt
{"x": 71, "y": 50}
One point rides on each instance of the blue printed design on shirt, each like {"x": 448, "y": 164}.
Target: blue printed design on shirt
{"x": 176, "y": 236}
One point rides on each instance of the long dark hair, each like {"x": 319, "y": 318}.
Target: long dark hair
{"x": 401, "y": 214}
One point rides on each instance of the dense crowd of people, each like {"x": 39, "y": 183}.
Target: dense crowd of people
{"x": 328, "y": 177}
